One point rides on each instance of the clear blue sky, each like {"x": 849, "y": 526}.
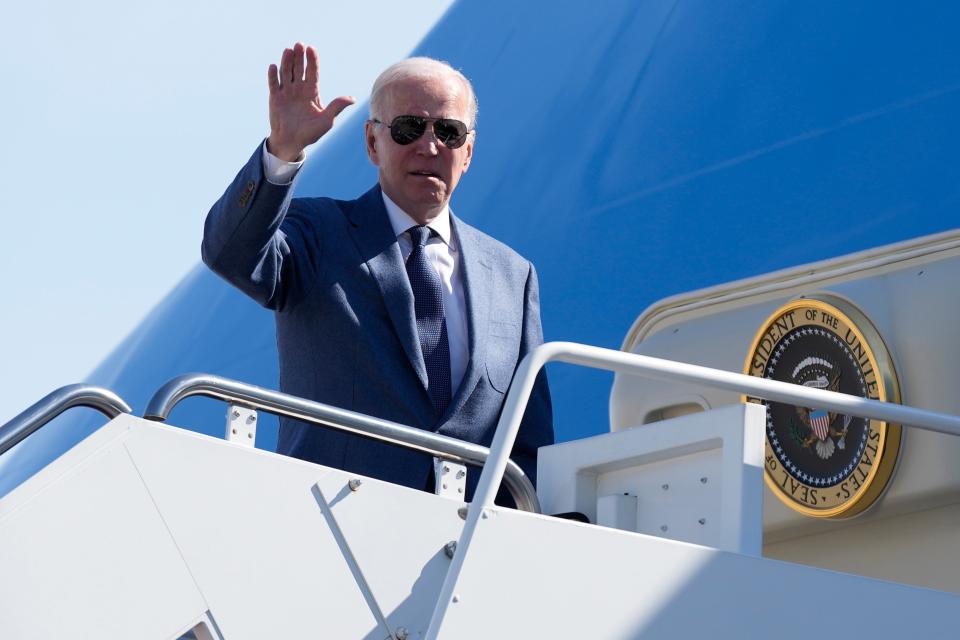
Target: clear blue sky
{"x": 122, "y": 123}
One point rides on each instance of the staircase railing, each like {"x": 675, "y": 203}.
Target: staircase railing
{"x": 55, "y": 403}
{"x": 281, "y": 404}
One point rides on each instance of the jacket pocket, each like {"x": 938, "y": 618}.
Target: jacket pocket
{"x": 503, "y": 347}
{"x": 499, "y": 376}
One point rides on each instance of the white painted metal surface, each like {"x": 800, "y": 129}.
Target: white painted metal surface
{"x": 617, "y": 511}
{"x": 530, "y": 576}
{"x": 450, "y": 479}
{"x": 144, "y": 530}
{"x": 396, "y": 538}
{"x": 89, "y": 556}
{"x": 241, "y": 425}
{"x": 250, "y": 529}
{"x": 698, "y": 478}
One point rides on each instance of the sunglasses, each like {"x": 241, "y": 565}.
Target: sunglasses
{"x": 407, "y": 129}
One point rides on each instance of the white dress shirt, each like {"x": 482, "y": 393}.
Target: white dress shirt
{"x": 443, "y": 253}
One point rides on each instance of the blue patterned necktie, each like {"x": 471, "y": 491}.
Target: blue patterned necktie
{"x": 431, "y": 325}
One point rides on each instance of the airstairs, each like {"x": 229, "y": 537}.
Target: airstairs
{"x": 147, "y": 530}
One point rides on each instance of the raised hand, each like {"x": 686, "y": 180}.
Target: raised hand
{"x": 297, "y": 115}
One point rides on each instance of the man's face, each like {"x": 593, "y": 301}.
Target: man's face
{"x": 421, "y": 176}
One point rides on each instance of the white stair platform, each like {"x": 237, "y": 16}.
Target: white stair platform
{"x": 144, "y": 530}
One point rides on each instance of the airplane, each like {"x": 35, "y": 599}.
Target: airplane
{"x": 646, "y": 157}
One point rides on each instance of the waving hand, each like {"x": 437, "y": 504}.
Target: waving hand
{"x": 297, "y": 115}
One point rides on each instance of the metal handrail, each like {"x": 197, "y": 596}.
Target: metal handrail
{"x": 56, "y": 402}
{"x": 632, "y": 363}
{"x": 282, "y": 404}
{"x": 635, "y": 364}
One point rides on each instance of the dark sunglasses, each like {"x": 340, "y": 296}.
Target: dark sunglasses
{"x": 407, "y": 129}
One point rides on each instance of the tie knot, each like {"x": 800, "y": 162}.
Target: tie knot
{"x": 419, "y": 235}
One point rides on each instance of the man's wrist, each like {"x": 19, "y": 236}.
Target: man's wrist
{"x": 277, "y": 170}
{"x": 286, "y": 152}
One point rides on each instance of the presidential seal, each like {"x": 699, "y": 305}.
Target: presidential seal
{"x": 820, "y": 463}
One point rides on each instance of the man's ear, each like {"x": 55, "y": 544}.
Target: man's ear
{"x": 369, "y": 134}
{"x": 468, "y": 157}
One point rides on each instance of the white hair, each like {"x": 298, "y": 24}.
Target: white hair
{"x": 420, "y": 67}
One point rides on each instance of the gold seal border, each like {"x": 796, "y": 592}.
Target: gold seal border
{"x": 888, "y": 390}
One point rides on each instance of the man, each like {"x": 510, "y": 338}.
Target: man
{"x": 386, "y": 305}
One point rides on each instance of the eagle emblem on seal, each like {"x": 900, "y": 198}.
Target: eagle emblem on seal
{"x": 822, "y": 437}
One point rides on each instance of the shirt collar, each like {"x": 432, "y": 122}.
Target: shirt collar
{"x": 400, "y": 221}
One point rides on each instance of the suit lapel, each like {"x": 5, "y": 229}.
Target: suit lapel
{"x": 373, "y": 235}
{"x": 477, "y": 280}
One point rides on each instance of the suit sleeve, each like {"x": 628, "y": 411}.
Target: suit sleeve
{"x": 253, "y": 234}
{"x": 536, "y": 428}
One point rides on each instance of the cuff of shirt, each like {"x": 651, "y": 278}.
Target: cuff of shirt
{"x": 277, "y": 171}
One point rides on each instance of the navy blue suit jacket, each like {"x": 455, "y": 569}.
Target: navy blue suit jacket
{"x": 333, "y": 273}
